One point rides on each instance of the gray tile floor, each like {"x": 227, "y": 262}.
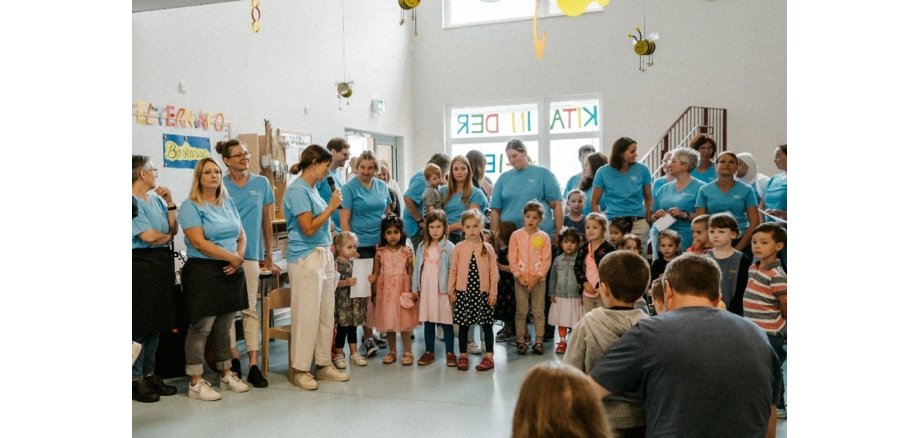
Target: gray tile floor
{"x": 379, "y": 401}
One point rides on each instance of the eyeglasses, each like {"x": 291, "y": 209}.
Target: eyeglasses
{"x": 154, "y": 170}
{"x": 246, "y": 154}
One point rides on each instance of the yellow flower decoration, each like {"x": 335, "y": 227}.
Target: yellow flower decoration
{"x": 537, "y": 242}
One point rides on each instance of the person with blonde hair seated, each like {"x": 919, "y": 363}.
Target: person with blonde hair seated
{"x": 556, "y": 400}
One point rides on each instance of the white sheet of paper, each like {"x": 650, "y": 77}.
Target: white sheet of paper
{"x": 664, "y": 222}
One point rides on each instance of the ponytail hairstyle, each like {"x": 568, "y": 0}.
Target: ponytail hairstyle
{"x": 616, "y": 152}
{"x": 313, "y": 154}
{"x": 391, "y": 221}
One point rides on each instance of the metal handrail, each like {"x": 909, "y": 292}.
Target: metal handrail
{"x": 694, "y": 120}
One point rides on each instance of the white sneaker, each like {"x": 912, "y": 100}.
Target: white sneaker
{"x": 330, "y": 373}
{"x": 233, "y": 383}
{"x": 440, "y": 333}
{"x": 305, "y": 380}
{"x": 472, "y": 348}
{"x": 339, "y": 361}
{"x": 358, "y": 360}
{"x": 781, "y": 414}
{"x": 203, "y": 391}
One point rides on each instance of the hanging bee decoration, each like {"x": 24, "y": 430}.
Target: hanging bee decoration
{"x": 644, "y": 46}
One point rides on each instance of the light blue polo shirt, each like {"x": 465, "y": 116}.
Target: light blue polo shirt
{"x": 414, "y": 191}
{"x": 707, "y": 176}
{"x": 659, "y": 183}
{"x": 515, "y": 188}
{"x": 736, "y": 201}
{"x": 623, "y": 193}
{"x": 573, "y": 183}
{"x": 326, "y": 192}
{"x": 249, "y": 200}
{"x": 454, "y": 207}
{"x": 150, "y": 214}
{"x": 220, "y": 223}
{"x": 668, "y": 197}
{"x": 300, "y": 198}
{"x": 368, "y": 207}
{"x": 774, "y": 197}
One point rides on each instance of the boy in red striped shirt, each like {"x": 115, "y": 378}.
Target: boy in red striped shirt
{"x": 765, "y": 295}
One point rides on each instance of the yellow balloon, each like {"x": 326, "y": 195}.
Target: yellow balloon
{"x": 574, "y": 8}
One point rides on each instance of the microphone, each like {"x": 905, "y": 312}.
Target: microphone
{"x": 331, "y": 183}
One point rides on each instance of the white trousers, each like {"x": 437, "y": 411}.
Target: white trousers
{"x": 313, "y": 280}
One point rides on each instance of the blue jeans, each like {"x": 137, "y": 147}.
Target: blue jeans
{"x": 147, "y": 359}
{"x": 777, "y": 342}
{"x": 448, "y": 336}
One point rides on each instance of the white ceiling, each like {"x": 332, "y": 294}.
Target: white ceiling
{"x": 153, "y": 5}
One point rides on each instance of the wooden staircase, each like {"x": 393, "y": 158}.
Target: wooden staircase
{"x": 695, "y": 120}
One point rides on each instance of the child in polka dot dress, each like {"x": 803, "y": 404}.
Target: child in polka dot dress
{"x": 473, "y": 287}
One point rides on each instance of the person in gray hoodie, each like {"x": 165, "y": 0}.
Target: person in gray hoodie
{"x": 624, "y": 277}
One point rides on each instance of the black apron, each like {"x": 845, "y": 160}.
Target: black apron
{"x": 152, "y": 279}
{"x": 207, "y": 291}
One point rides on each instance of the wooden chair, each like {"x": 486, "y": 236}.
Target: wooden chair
{"x": 276, "y": 299}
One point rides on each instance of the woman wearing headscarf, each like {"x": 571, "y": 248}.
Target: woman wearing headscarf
{"x": 747, "y": 173}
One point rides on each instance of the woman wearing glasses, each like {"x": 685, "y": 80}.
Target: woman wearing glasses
{"x": 254, "y": 201}
{"x": 152, "y": 277}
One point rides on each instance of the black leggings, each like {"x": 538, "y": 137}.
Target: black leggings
{"x": 465, "y": 334}
{"x": 350, "y": 331}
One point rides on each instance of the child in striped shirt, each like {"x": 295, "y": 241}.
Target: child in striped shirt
{"x": 765, "y": 296}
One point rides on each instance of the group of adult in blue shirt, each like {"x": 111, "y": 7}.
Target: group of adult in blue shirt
{"x": 227, "y": 233}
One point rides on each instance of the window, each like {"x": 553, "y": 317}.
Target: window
{"x": 554, "y": 128}
{"x": 458, "y": 13}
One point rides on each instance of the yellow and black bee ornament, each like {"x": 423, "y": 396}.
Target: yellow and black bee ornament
{"x": 644, "y": 46}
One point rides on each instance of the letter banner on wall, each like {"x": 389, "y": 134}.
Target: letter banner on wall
{"x": 183, "y": 151}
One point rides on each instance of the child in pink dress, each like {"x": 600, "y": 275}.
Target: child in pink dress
{"x": 394, "y": 303}
{"x": 429, "y": 281}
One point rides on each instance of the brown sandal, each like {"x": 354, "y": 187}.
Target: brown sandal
{"x": 538, "y": 347}
{"x": 389, "y": 358}
{"x": 408, "y": 359}
{"x": 522, "y": 348}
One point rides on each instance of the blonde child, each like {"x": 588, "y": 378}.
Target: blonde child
{"x": 668, "y": 249}
{"x": 394, "y": 303}
{"x": 529, "y": 257}
{"x": 700, "y": 229}
{"x": 631, "y": 242}
{"x": 558, "y": 400}
{"x": 429, "y": 282}
{"x": 504, "y": 306}
{"x": 431, "y": 197}
{"x": 566, "y": 308}
{"x": 349, "y": 312}
{"x": 618, "y": 230}
{"x": 589, "y": 257}
{"x": 575, "y": 205}
{"x": 473, "y": 287}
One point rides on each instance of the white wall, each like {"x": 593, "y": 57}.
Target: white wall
{"x": 726, "y": 54}
{"x": 294, "y": 62}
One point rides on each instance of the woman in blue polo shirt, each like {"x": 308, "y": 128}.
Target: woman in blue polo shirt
{"x": 152, "y": 276}
{"x": 706, "y": 169}
{"x": 626, "y": 188}
{"x": 774, "y": 198}
{"x": 254, "y": 199}
{"x": 678, "y": 197}
{"x": 523, "y": 183}
{"x": 364, "y": 203}
{"x": 727, "y": 195}
{"x": 213, "y": 283}
{"x": 461, "y": 196}
{"x": 312, "y": 269}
